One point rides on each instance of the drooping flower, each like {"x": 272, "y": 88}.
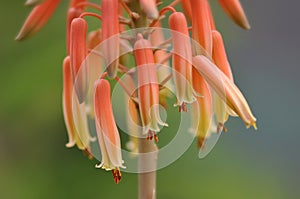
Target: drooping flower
{"x": 220, "y": 59}
{"x": 235, "y": 11}
{"x": 182, "y": 56}
{"x": 225, "y": 88}
{"x": 37, "y": 18}
{"x": 148, "y": 88}
{"x": 74, "y": 113}
{"x": 163, "y": 71}
{"x": 107, "y": 131}
{"x": 203, "y": 116}
{"x": 110, "y": 31}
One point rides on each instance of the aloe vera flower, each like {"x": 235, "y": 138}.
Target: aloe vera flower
{"x": 107, "y": 131}
{"x": 132, "y": 47}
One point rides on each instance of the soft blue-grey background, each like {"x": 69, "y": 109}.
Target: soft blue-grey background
{"x": 244, "y": 164}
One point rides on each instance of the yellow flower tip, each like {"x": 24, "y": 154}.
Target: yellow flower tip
{"x": 117, "y": 175}
{"x": 253, "y": 124}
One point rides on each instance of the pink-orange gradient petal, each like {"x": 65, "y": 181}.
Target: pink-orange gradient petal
{"x": 78, "y": 55}
{"x": 235, "y": 11}
{"x": 37, "y": 18}
{"x": 107, "y": 131}
{"x": 225, "y": 88}
{"x": 110, "y": 29}
{"x": 182, "y": 56}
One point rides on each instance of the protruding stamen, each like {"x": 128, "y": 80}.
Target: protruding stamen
{"x": 151, "y": 135}
{"x": 117, "y": 175}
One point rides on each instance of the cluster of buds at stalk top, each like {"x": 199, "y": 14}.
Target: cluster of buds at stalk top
{"x": 200, "y": 70}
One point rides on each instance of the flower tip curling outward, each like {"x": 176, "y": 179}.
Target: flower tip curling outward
{"x": 148, "y": 90}
{"x": 37, "y": 19}
{"x": 107, "y": 131}
{"x": 181, "y": 60}
{"x": 234, "y": 10}
{"x": 225, "y": 88}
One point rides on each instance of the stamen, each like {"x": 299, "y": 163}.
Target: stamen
{"x": 183, "y": 108}
{"x": 151, "y": 135}
{"x": 117, "y": 175}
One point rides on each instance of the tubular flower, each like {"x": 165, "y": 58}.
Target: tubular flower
{"x": 187, "y": 8}
{"x": 74, "y": 113}
{"x": 157, "y": 38}
{"x": 234, "y": 10}
{"x": 201, "y": 27}
{"x": 78, "y": 55}
{"x": 148, "y": 88}
{"x": 220, "y": 59}
{"x": 37, "y": 18}
{"x": 225, "y": 88}
{"x": 74, "y": 11}
{"x": 182, "y": 57}
{"x": 110, "y": 31}
{"x": 204, "y": 120}
{"x": 149, "y": 7}
{"x": 95, "y": 68}
{"x": 107, "y": 131}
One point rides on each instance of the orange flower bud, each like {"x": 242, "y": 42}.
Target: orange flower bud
{"x": 78, "y": 55}
{"x": 234, "y": 10}
{"x": 201, "y": 27}
{"x": 110, "y": 31}
{"x": 37, "y": 18}
{"x": 182, "y": 57}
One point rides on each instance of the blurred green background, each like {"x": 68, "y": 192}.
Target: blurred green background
{"x": 244, "y": 164}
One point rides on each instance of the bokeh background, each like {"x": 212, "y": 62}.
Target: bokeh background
{"x": 244, "y": 164}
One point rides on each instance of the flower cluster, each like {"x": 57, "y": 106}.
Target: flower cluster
{"x": 201, "y": 73}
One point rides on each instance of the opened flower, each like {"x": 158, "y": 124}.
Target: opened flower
{"x": 131, "y": 42}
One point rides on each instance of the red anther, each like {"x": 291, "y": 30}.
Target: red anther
{"x": 117, "y": 175}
